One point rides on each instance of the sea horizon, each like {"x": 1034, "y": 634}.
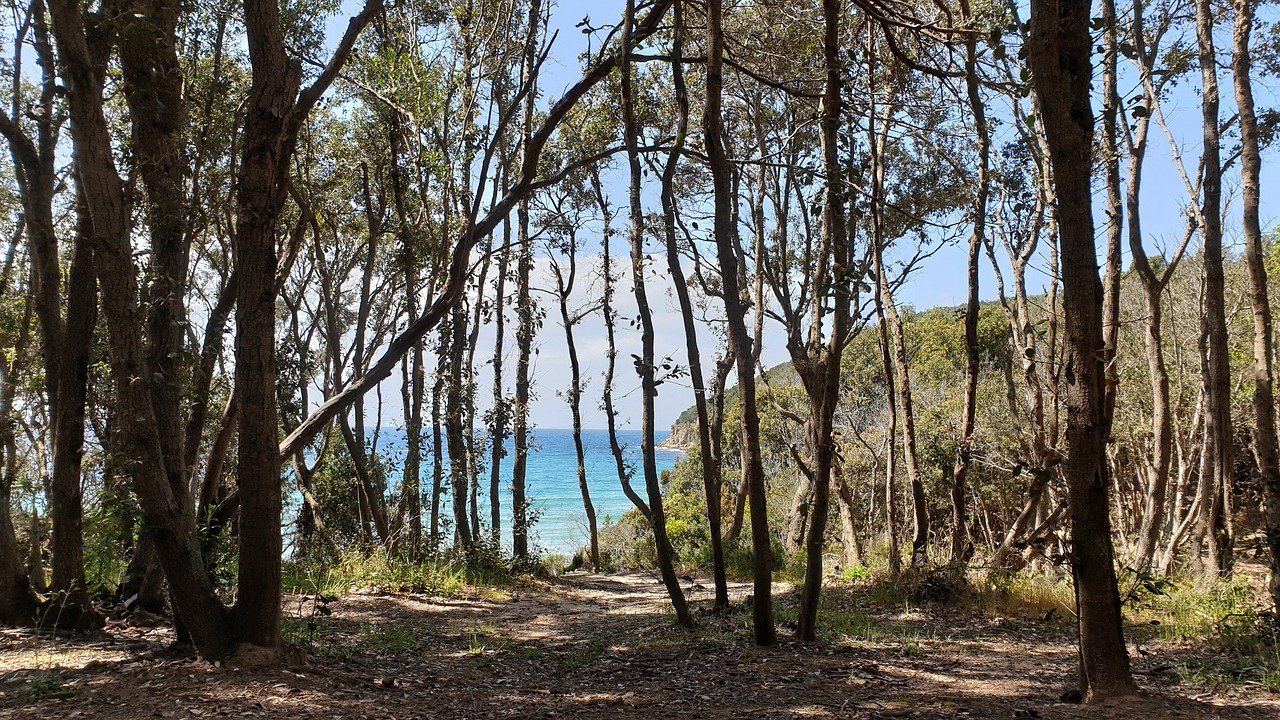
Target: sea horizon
{"x": 558, "y": 518}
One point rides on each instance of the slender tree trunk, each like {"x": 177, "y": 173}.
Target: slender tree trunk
{"x": 1264, "y": 439}
{"x": 822, "y": 375}
{"x": 71, "y": 370}
{"x": 735, "y": 315}
{"x": 646, "y": 365}
{"x": 17, "y": 601}
{"x": 499, "y": 413}
{"x": 961, "y": 543}
{"x": 625, "y": 472}
{"x": 1214, "y": 525}
{"x": 709, "y": 460}
{"x": 891, "y": 441}
{"x": 1110, "y": 152}
{"x": 459, "y": 479}
{"x": 437, "y": 437}
{"x": 906, "y": 405}
{"x": 564, "y": 290}
{"x": 901, "y": 368}
{"x": 526, "y": 308}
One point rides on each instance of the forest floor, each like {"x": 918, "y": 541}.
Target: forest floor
{"x": 599, "y": 646}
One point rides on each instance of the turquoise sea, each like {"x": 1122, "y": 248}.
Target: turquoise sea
{"x": 552, "y": 482}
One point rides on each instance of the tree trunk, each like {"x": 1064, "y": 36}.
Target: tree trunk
{"x": 103, "y": 193}
{"x": 1214, "y": 526}
{"x": 606, "y": 303}
{"x": 736, "y": 320}
{"x": 458, "y": 476}
{"x": 17, "y": 601}
{"x": 564, "y": 288}
{"x": 1059, "y": 58}
{"x": 1264, "y": 439}
{"x": 709, "y": 460}
{"x": 499, "y": 413}
{"x": 821, "y": 376}
{"x": 961, "y": 543}
{"x": 526, "y": 308}
{"x": 645, "y": 364}
{"x": 437, "y": 437}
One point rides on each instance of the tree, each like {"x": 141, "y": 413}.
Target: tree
{"x": 1264, "y": 438}
{"x": 1214, "y": 524}
{"x": 1059, "y": 56}
{"x": 735, "y": 315}
{"x": 710, "y": 462}
{"x": 822, "y": 361}
{"x": 66, "y": 338}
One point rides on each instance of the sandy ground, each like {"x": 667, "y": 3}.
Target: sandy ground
{"x": 592, "y": 647}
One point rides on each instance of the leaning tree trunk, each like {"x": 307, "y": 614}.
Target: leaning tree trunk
{"x": 1059, "y": 58}
{"x": 645, "y": 365}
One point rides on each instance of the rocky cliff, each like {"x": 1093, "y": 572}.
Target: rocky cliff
{"x": 683, "y": 437}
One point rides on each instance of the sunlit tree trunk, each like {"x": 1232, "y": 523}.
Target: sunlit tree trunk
{"x": 1264, "y": 439}
{"x": 1214, "y": 525}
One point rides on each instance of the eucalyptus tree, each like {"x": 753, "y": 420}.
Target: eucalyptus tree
{"x": 607, "y": 309}
{"x": 651, "y": 371}
{"x": 1212, "y": 541}
{"x": 1025, "y": 227}
{"x": 961, "y": 542}
{"x": 563, "y": 222}
{"x": 527, "y": 312}
{"x": 819, "y": 360}
{"x": 450, "y": 285}
{"x": 708, "y": 432}
{"x": 17, "y": 599}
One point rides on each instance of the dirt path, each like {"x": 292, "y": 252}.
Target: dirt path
{"x": 586, "y": 647}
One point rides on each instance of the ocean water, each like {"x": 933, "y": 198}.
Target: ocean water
{"x": 555, "y": 500}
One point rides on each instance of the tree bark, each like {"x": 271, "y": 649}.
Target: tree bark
{"x": 645, "y": 364}
{"x": 709, "y": 461}
{"x": 961, "y": 543}
{"x": 735, "y": 315}
{"x": 1059, "y": 57}
{"x": 1264, "y": 439}
{"x": 1214, "y": 524}
{"x": 564, "y": 288}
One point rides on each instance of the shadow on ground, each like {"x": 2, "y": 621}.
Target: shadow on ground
{"x": 581, "y": 647}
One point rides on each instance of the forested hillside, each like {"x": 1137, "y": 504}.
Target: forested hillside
{"x": 288, "y": 291}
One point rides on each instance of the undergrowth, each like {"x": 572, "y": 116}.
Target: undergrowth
{"x": 450, "y": 576}
{"x": 317, "y": 584}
